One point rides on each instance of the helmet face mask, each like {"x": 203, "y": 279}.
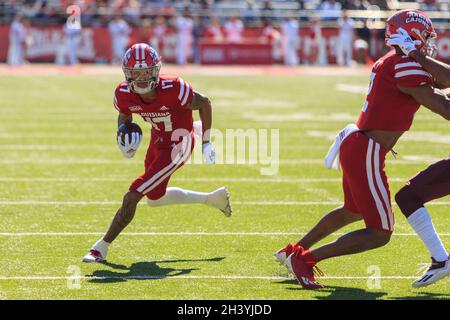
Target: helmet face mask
{"x": 430, "y": 48}
{"x": 141, "y": 65}
{"x": 418, "y": 26}
{"x": 142, "y": 80}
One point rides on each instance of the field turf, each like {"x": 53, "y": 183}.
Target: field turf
{"x": 62, "y": 178}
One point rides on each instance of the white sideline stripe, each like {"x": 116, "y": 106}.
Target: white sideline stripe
{"x": 233, "y": 277}
{"x": 124, "y": 162}
{"x": 118, "y": 179}
{"x": 214, "y": 234}
{"x": 256, "y": 203}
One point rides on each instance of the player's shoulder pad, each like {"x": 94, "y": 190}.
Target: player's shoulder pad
{"x": 120, "y": 93}
{"x": 177, "y": 87}
{"x": 122, "y": 87}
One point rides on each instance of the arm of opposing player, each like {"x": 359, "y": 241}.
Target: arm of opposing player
{"x": 431, "y": 98}
{"x": 439, "y": 70}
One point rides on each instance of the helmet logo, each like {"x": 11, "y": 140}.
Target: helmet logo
{"x": 415, "y": 17}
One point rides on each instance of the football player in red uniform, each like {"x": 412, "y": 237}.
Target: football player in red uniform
{"x": 167, "y": 104}
{"x": 431, "y": 183}
{"x": 398, "y": 86}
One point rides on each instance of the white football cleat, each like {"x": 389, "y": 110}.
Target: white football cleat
{"x": 435, "y": 272}
{"x": 220, "y": 199}
{"x": 94, "y": 256}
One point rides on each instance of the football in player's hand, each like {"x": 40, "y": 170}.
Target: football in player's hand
{"x": 128, "y": 128}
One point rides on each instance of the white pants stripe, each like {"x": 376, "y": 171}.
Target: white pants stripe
{"x": 381, "y": 187}
{"x": 155, "y": 180}
{"x": 369, "y": 171}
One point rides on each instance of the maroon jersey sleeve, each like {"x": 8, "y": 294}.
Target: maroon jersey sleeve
{"x": 119, "y": 100}
{"x": 408, "y": 73}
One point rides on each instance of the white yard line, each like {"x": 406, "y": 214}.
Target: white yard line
{"x": 125, "y": 162}
{"x": 232, "y": 277}
{"x": 120, "y": 179}
{"x": 248, "y": 203}
{"x": 215, "y": 234}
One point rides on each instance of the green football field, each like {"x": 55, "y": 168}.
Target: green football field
{"x": 62, "y": 178}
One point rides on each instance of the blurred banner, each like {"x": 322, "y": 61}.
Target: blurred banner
{"x": 44, "y": 44}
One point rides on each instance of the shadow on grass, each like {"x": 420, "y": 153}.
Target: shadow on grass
{"x": 425, "y": 296}
{"x": 145, "y": 270}
{"x": 338, "y": 293}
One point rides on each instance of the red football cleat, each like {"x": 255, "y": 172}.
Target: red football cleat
{"x": 282, "y": 254}
{"x": 304, "y": 269}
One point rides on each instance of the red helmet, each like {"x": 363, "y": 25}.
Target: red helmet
{"x": 141, "y": 64}
{"x": 418, "y": 26}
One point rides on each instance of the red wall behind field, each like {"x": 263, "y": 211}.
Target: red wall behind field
{"x": 96, "y": 45}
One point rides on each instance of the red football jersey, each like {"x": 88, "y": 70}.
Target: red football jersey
{"x": 386, "y": 107}
{"x": 166, "y": 113}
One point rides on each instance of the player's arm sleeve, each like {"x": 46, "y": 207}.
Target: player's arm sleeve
{"x": 119, "y": 104}
{"x": 184, "y": 91}
{"x": 411, "y": 74}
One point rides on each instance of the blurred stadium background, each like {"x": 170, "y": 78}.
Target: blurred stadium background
{"x": 206, "y": 31}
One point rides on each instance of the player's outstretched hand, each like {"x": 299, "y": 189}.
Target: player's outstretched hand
{"x": 209, "y": 155}
{"x": 403, "y": 41}
{"x": 129, "y": 148}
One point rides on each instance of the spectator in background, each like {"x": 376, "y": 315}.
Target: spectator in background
{"x": 272, "y": 36}
{"x": 267, "y": 11}
{"x": 344, "y": 46}
{"x": 381, "y": 4}
{"x": 429, "y": 5}
{"x": 17, "y": 41}
{"x": 144, "y": 32}
{"x": 250, "y": 14}
{"x": 331, "y": 10}
{"x": 72, "y": 35}
{"x": 131, "y": 10}
{"x": 119, "y": 31}
{"x": 362, "y": 52}
{"x": 198, "y": 34}
{"x": 233, "y": 30}
{"x": 185, "y": 28}
{"x": 214, "y": 30}
{"x": 159, "y": 30}
{"x": 291, "y": 40}
{"x": 315, "y": 46}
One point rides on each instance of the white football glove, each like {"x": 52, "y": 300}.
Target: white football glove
{"x": 129, "y": 148}
{"x": 403, "y": 41}
{"x": 209, "y": 155}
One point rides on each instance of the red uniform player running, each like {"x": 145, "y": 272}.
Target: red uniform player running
{"x": 398, "y": 86}
{"x": 167, "y": 104}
